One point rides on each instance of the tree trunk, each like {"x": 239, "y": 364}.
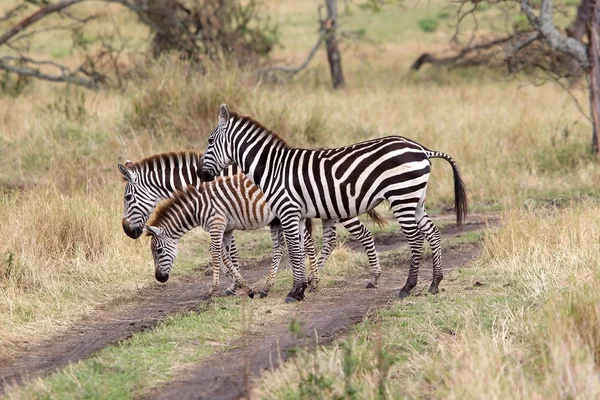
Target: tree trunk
{"x": 594, "y": 73}
{"x": 333, "y": 52}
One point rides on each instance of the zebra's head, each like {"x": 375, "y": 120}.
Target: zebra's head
{"x": 164, "y": 251}
{"x": 218, "y": 153}
{"x": 137, "y": 204}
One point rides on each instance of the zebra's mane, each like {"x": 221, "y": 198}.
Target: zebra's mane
{"x": 164, "y": 156}
{"x": 254, "y": 122}
{"x": 180, "y": 196}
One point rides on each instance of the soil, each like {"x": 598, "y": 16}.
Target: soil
{"x": 224, "y": 375}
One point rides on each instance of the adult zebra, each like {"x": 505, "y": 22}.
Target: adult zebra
{"x": 334, "y": 183}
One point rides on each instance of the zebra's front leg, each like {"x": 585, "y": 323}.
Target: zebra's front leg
{"x": 216, "y": 242}
{"x": 365, "y": 237}
{"x": 291, "y": 228}
{"x": 329, "y": 237}
{"x": 232, "y": 253}
{"x": 278, "y": 243}
{"x": 311, "y": 253}
{"x": 234, "y": 270}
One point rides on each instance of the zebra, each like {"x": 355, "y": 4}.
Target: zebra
{"x": 334, "y": 183}
{"x": 157, "y": 177}
{"x": 219, "y": 207}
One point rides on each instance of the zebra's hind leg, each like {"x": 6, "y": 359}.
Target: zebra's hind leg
{"x": 311, "y": 254}
{"x": 365, "y": 237}
{"x": 234, "y": 270}
{"x": 278, "y": 243}
{"x": 232, "y": 253}
{"x": 405, "y": 215}
{"x": 329, "y": 237}
{"x": 432, "y": 233}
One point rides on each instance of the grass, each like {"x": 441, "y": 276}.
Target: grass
{"x": 522, "y": 322}
{"x": 63, "y": 253}
{"x": 148, "y": 358}
{"x": 155, "y": 356}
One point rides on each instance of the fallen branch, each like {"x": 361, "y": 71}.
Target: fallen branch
{"x": 295, "y": 70}
{"x": 427, "y": 58}
{"x": 65, "y": 76}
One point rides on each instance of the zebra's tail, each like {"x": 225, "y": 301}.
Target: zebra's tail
{"x": 461, "y": 203}
{"x": 377, "y": 218}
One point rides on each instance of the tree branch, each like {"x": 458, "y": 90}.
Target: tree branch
{"x": 65, "y": 76}
{"x": 36, "y": 16}
{"x": 544, "y": 24}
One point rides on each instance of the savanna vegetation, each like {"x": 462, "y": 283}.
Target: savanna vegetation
{"x": 526, "y": 328}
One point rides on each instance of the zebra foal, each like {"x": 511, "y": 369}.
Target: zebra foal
{"x": 334, "y": 183}
{"x": 219, "y": 207}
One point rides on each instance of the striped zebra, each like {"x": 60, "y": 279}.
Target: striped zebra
{"x": 157, "y": 177}
{"x": 219, "y": 207}
{"x": 335, "y": 183}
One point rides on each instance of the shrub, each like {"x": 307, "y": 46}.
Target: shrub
{"x": 428, "y": 25}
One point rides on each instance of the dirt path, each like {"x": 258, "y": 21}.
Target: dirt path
{"x": 220, "y": 378}
{"x": 331, "y": 314}
{"x": 144, "y": 311}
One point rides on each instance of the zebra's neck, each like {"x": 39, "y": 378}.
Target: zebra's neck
{"x": 162, "y": 175}
{"x": 184, "y": 212}
{"x": 257, "y": 152}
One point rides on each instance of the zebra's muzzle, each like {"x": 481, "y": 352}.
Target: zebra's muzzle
{"x": 205, "y": 175}
{"x": 133, "y": 233}
{"x": 162, "y": 278}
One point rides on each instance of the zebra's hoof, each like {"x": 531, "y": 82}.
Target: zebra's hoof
{"x": 251, "y": 294}
{"x": 229, "y": 292}
{"x": 403, "y": 294}
{"x": 371, "y": 285}
{"x": 290, "y": 300}
{"x": 263, "y": 294}
{"x": 434, "y": 290}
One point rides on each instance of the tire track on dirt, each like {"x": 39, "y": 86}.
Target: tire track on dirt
{"x": 86, "y": 337}
{"x": 156, "y": 303}
{"x": 325, "y": 317}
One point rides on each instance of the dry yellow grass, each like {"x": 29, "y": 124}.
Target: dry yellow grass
{"x": 531, "y": 332}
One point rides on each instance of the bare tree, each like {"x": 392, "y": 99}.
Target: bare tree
{"x": 559, "y": 55}
{"x": 333, "y": 53}
{"x": 194, "y": 29}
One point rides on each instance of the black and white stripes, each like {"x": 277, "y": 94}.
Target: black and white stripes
{"x": 334, "y": 184}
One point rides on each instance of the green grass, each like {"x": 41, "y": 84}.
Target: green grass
{"x": 148, "y": 359}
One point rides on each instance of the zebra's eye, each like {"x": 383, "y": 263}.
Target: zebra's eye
{"x": 211, "y": 140}
{"x": 129, "y": 197}
{"x": 159, "y": 251}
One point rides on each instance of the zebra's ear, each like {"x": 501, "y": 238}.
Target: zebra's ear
{"x": 125, "y": 172}
{"x": 154, "y": 230}
{"x": 223, "y": 114}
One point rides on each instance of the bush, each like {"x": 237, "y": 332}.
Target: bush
{"x": 443, "y": 14}
{"x": 428, "y": 25}
{"x": 521, "y": 23}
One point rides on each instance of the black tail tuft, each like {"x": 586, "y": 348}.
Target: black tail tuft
{"x": 461, "y": 203}
{"x": 377, "y": 218}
